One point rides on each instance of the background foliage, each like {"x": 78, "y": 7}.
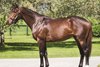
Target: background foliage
{"x": 89, "y": 9}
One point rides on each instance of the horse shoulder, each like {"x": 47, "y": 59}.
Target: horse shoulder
{"x": 40, "y": 33}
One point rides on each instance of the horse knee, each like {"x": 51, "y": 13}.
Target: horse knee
{"x": 43, "y": 53}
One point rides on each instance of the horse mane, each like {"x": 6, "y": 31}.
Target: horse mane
{"x": 32, "y": 13}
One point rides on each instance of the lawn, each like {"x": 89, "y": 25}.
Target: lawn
{"x": 26, "y": 47}
{"x": 99, "y": 65}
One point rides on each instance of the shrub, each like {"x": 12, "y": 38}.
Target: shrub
{"x": 95, "y": 26}
{"x": 96, "y": 30}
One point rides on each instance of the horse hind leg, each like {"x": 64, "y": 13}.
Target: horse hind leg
{"x": 84, "y": 48}
{"x": 87, "y": 52}
{"x": 87, "y": 55}
{"x": 80, "y": 46}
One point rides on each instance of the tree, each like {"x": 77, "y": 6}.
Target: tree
{"x": 2, "y": 24}
{"x": 57, "y": 8}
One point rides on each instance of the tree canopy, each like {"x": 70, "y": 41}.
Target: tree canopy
{"x": 90, "y": 9}
{"x": 57, "y": 8}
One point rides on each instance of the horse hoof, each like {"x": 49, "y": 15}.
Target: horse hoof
{"x": 80, "y": 65}
{"x": 41, "y": 65}
{"x": 47, "y": 66}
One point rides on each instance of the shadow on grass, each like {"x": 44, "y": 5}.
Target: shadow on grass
{"x": 19, "y": 47}
{"x": 34, "y": 46}
{"x": 96, "y": 42}
{"x": 68, "y": 44}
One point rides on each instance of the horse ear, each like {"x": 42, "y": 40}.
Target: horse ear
{"x": 14, "y": 5}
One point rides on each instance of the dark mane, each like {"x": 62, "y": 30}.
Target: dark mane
{"x": 32, "y": 13}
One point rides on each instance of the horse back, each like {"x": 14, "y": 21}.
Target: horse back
{"x": 64, "y": 28}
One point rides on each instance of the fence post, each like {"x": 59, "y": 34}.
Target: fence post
{"x": 27, "y": 30}
{"x": 1, "y": 39}
{"x": 10, "y": 32}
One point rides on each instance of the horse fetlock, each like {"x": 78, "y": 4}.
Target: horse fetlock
{"x": 41, "y": 65}
{"x": 47, "y": 65}
{"x": 80, "y": 65}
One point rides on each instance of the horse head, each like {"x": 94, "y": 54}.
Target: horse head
{"x": 14, "y": 14}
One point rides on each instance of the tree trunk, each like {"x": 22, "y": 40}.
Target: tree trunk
{"x": 1, "y": 39}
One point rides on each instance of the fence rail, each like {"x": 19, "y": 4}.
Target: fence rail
{"x": 19, "y": 30}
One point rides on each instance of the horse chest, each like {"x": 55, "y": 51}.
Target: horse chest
{"x": 39, "y": 33}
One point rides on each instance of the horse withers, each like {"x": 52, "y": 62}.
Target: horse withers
{"x": 45, "y": 29}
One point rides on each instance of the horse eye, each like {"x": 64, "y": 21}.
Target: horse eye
{"x": 13, "y": 10}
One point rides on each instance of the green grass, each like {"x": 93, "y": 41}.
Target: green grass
{"x": 99, "y": 65}
{"x": 26, "y": 47}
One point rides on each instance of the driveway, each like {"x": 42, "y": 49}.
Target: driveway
{"x": 54, "y": 62}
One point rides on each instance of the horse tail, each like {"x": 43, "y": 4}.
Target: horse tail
{"x": 89, "y": 41}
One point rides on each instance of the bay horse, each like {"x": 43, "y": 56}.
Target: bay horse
{"x": 45, "y": 29}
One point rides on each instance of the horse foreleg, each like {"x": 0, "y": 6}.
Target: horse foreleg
{"x": 43, "y": 53}
{"x": 46, "y": 59}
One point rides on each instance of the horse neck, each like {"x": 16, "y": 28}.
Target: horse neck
{"x": 33, "y": 19}
{"x": 29, "y": 20}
